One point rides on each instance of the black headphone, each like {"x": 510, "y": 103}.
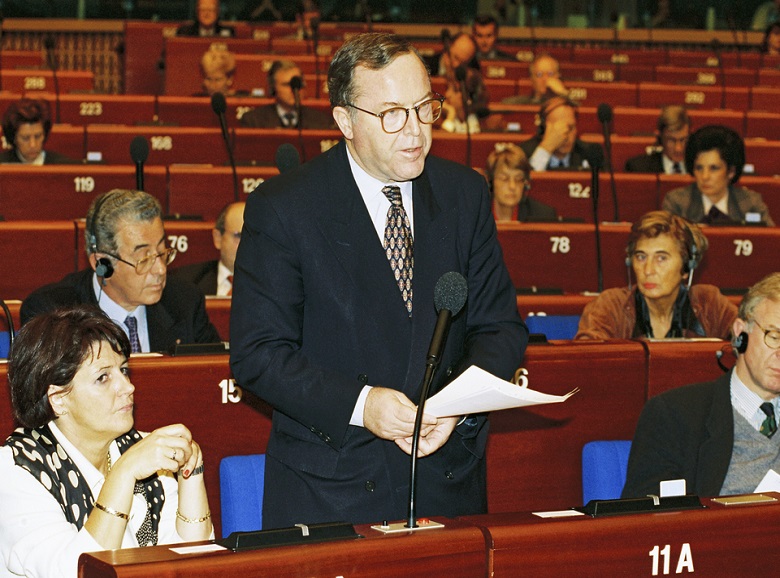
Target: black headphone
{"x": 740, "y": 342}
{"x": 547, "y": 108}
{"x": 104, "y": 268}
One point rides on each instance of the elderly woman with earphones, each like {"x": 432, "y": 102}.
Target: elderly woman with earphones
{"x": 663, "y": 251}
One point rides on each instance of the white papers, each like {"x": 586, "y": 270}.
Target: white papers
{"x": 477, "y": 391}
{"x": 558, "y": 514}
{"x": 197, "y": 549}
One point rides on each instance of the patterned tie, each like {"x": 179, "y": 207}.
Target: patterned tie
{"x": 399, "y": 245}
{"x": 677, "y": 169}
{"x": 132, "y": 325}
{"x": 230, "y": 289}
{"x": 769, "y": 426}
{"x": 289, "y": 119}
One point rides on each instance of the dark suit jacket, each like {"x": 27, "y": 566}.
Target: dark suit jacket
{"x": 179, "y": 316}
{"x": 51, "y": 158}
{"x": 686, "y": 432}
{"x": 535, "y": 210}
{"x": 651, "y": 163}
{"x": 267, "y": 117}
{"x": 687, "y": 202}
{"x": 581, "y": 152}
{"x": 204, "y": 275}
{"x": 193, "y": 29}
{"x": 317, "y": 314}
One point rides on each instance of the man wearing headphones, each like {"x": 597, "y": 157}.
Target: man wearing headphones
{"x": 668, "y": 157}
{"x": 718, "y": 436}
{"x": 286, "y": 111}
{"x": 127, "y": 279}
{"x": 556, "y": 146}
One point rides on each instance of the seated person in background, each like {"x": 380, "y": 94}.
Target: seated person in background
{"x": 459, "y": 60}
{"x": 509, "y": 176}
{"x": 767, "y": 13}
{"x": 718, "y": 436}
{"x": 218, "y": 68}
{"x": 771, "y": 43}
{"x": 546, "y": 82}
{"x": 307, "y": 17}
{"x": 663, "y": 251}
{"x": 127, "y": 278}
{"x": 77, "y": 477}
{"x": 283, "y": 113}
{"x": 26, "y": 127}
{"x": 556, "y": 146}
{"x": 672, "y": 132}
{"x": 206, "y": 22}
{"x": 715, "y": 156}
{"x": 216, "y": 277}
{"x": 485, "y": 33}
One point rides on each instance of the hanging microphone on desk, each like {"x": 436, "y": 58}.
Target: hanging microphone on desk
{"x": 460, "y": 75}
{"x": 296, "y": 84}
{"x": 219, "y": 106}
{"x": 449, "y": 297}
{"x": 51, "y": 62}
{"x": 139, "y": 152}
{"x": 604, "y": 113}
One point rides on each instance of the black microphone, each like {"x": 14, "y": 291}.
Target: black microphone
{"x": 367, "y": 14}
{"x": 296, "y": 84}
{"x": 604, "y": 113}
{"x": 51, "y": 62}
{"x": 449, "y": 297}
{"x": 287, "y": 158}
{"x": 315, "y": 37}
{"x": 139, "y": 152}
{"x": 219, "y": 106}
{"x": 718, "y": 356}
{"x": 595, "y": 165}
{"x": 460, "y": 75}
{"x": 446, "y": 39}
{"x": 9, "y": 320}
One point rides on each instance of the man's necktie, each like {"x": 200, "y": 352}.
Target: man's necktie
{"x": 289, "y": 119}
{"x": 399, "y": 245}
{"x": 132, "y": 325}
{"x": 769, "y": 426}
{"x": 716, "y": 217}
{"x": 677, "y": 169}
{"x": 230, "y": 289}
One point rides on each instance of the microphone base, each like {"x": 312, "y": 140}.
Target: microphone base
{"x": 398, "y": 527}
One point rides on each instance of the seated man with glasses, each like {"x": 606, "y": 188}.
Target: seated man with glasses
{"x": 216, "y": 277}
{"x": 127, "y": 278}
{"x": 718, "y": 436}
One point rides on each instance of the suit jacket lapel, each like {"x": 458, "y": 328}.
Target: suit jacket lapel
{"x": 715, "y": 452}
{"x": 160, "y": 325}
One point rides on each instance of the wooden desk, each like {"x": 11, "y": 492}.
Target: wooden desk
{"x": 670, "y": 366}
{"x": 714, "y": 541}
{"x": 456, "y": 550}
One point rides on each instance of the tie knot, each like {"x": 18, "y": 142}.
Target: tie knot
{"x": 393, "y": 194}
{"x": 677, "y": 168}
{"x": 131, "y": 322}
{"x": 768, "y": 409}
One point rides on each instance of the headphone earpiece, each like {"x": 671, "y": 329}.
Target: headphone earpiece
{"x": 526, "y": 186}
{"x": 541, "y": 126}
{"x": 740, "y": 342}
{"x": 104, "y": 268}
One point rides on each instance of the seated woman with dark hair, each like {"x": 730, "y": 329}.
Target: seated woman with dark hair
{"x": 509, "y": 177}
{"x": 77, "y": 477}
{"x": 26, "y": 127}
{"x": 663, "y": 251}
{"x": 715, "y": 156}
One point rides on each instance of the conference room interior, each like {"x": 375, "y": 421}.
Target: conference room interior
{"x": 111, "y": 81}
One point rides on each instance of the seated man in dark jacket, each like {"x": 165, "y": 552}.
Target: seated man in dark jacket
{"x": 127, "y": 278}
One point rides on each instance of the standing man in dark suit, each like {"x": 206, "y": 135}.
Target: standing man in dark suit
{"x": 718, "y": 436}
{"x": 206, "y": 22}
{"x": 332, "y": 330}
{"x": 127, "y": 277}
{"x": 216, "y": 277}
{"x": 673, "y": 129}
{"x": 283, "y": 112}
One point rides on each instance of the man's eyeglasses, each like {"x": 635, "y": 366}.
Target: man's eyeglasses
{"x": 771, "y": 336}
{"x": 144, "y": 265}
{"x": 394, "y": 119}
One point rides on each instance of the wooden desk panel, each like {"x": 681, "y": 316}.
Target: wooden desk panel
{"x": 671, "y": 365}
{"x": 713, "y": 541}
{"x": 197, "y": 111}
{"x": 534, "y": 455}
{"x": 33, "y": 253}
{"x": 218, "y": 309}
{"x": 32, "y": 81}
{"x": 705, "y": 76}
{"x": 258, "y": 146}
{"x": 692, "y": 96}
{"x": 457, "y": 550}
{"x": 55, "y": 192}
{"x": 83, "y": 109}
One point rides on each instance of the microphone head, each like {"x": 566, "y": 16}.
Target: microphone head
{"x": 604, "y": 113}
{"x": 595, "y": 156}
{"x": 296, "y": 83}
{"x": 48, "y": 42}
{"x": 446, "y": 36}
{"x": 715, "y": 44}
{"x": 450, "y": 292}
{"x": 287, "y": 158}
{"x": 460, "y": 73}
{"x": 139, "y": 149}
{"x": 218, "y": 103}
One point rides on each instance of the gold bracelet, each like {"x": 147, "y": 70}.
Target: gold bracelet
{"x": 111, "y": 511}
{"x": 192, "y": 520}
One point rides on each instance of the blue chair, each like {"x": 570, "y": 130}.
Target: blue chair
{"x": 604, "y": 466}
{"x": 241, "y": 480}
{"x": 5, "y": 344}
{"x": 554, "y": 326}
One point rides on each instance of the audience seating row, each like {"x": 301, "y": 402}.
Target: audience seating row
{"x": 533, "y": 454}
